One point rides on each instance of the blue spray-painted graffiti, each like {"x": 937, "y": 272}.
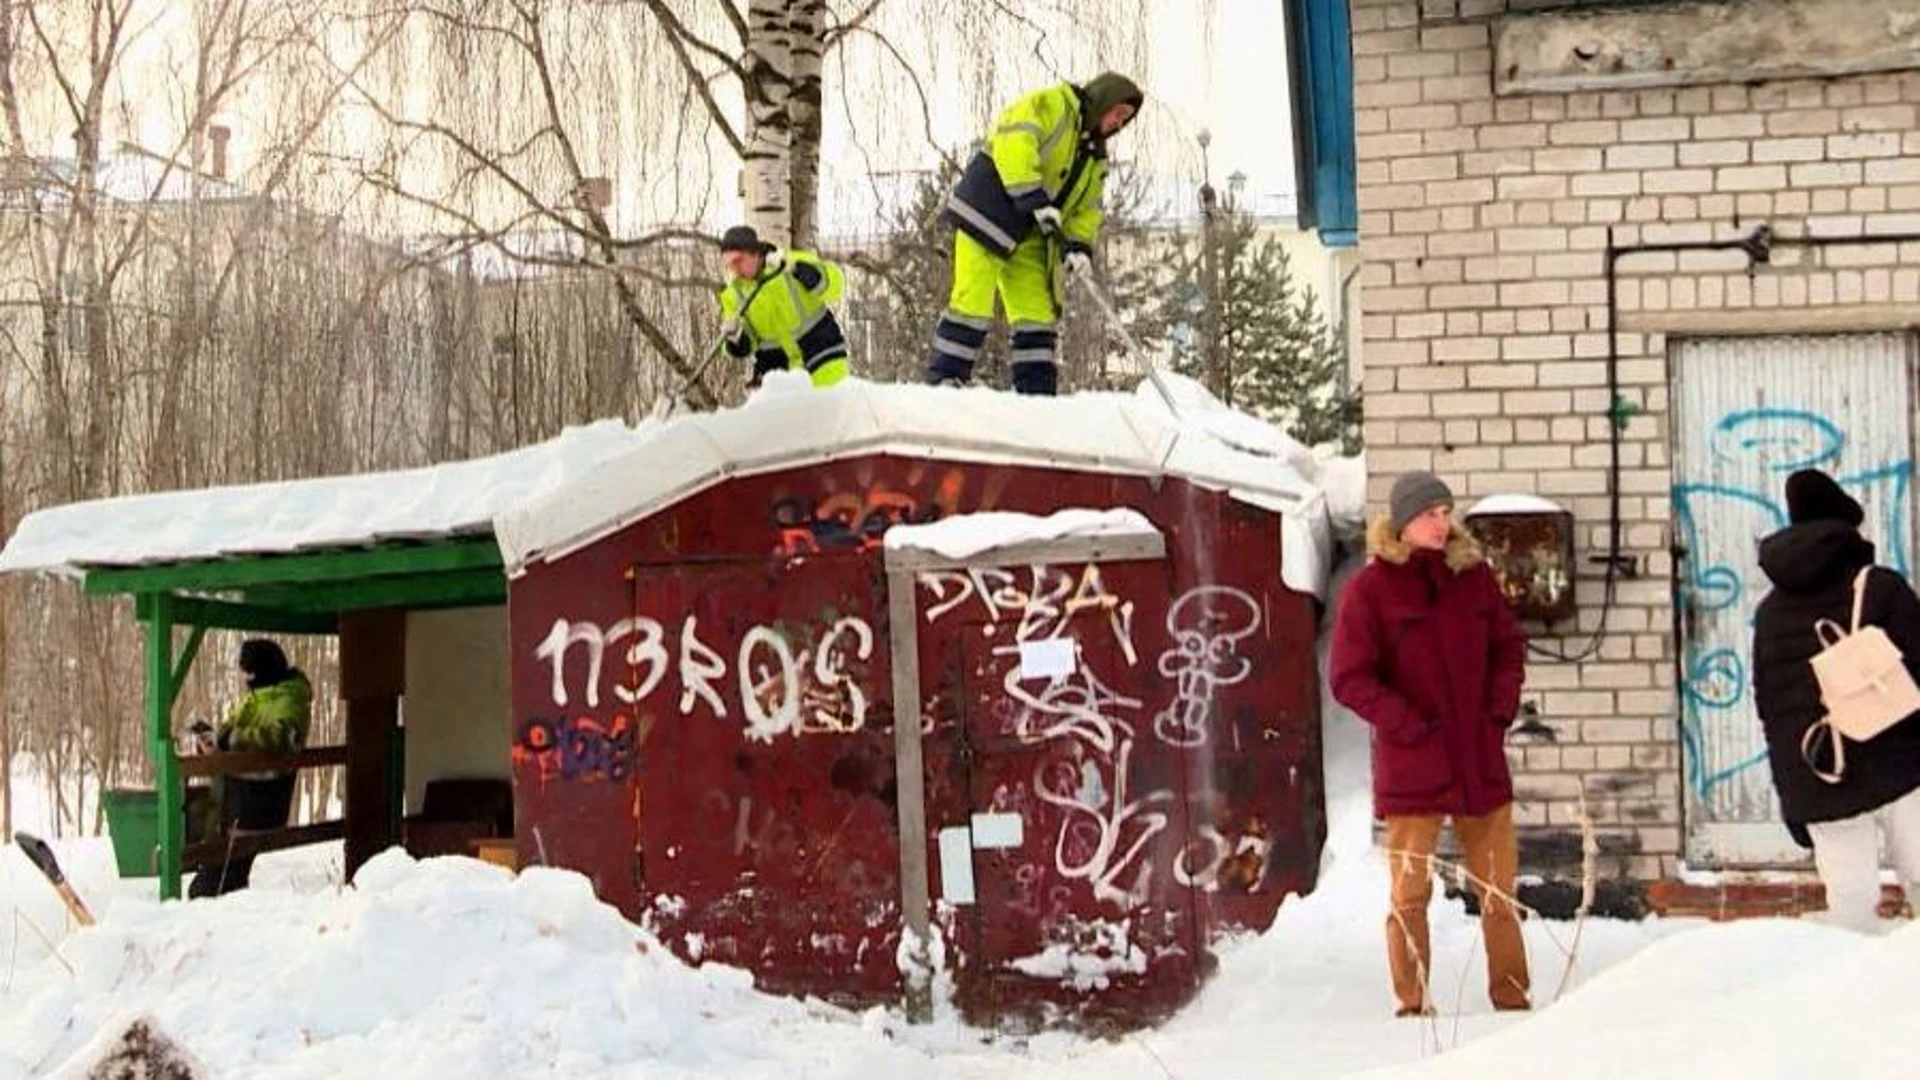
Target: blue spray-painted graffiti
{"x": 1753, "y": 450}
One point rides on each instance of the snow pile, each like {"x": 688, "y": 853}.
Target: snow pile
{"x": 1766, "y": 998}
{"x": 778, "y": 428}
{"x": 545, "y": 500}
{"x": 1197, "y": 409}
{"x": 781, "y": 384}
{"x": 965, "y": 535}
{"x": 1514, "y": 504}
{"x": 1344, "y": 479}
{"x": 449, "y": 967}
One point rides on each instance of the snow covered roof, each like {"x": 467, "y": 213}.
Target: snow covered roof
{"x": 546, "y": 500}
{"x": 787, "y": 424}
{"x": 134, "y": 176}
{"x": 434, "y": 502}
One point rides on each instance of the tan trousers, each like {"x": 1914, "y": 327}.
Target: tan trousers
{"x": 1492, "y": 861}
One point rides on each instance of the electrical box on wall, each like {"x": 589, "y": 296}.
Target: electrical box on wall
{"x": 1529, "y": 545}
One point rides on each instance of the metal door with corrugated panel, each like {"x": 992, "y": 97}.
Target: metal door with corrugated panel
{"x": 1749, "y": 411}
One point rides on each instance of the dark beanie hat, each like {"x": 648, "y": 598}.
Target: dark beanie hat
{"x": 1414, "y": 494}
{"x": 1814, "y": 496}
{"x": 264, "y": 662}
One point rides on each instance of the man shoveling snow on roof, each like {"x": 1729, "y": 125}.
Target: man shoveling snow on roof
{"x": 777, "y": 309}
{"x": 1027, "y": 208}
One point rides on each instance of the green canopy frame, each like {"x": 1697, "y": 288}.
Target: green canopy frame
{"x": 302, "y": 593}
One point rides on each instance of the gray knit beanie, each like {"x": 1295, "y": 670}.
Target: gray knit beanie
{"x": 1414, "y": 494}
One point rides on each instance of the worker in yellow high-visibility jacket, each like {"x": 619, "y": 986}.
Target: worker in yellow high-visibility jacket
{"x": 1026, "y": 208}
{"x": 776, "y": 308}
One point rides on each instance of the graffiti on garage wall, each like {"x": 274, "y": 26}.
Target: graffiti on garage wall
{"x": 1089, "y": 732}
{"x": 779, "y": 680}
{"x": 772, "y": 683}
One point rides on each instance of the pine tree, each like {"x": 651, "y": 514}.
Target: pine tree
{"x": 901, "y": 285}
{"x": 1282, "y": 360}
{"x": 1094, "y": 354}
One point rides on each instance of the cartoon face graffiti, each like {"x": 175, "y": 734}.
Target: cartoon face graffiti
{"x": 1207, "y": 625}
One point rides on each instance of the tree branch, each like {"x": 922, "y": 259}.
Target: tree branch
{"x": 601, "y": 235}
{"x": 734, "y": 17}
{"x": 834, "y": 34}
{"x": 464, "y": 24}
{"x": 60, "y": 78}
{"x": 919, "y": 91}
{"x": 678, "y": 37}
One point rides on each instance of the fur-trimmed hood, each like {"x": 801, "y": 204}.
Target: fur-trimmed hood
{"x": 1463, "y": 552}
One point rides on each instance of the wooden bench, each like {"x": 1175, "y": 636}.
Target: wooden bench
{"x": 226, "y": 762}
{"x": 244, "y": 843}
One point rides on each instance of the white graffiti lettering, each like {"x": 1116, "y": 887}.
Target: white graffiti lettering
{"x": 1045, "y": 609}
{"x": 1077, "y": 705}
{"x": 770, "y": 699}
{"x": 1104, "y": 834}
{"x": 836, "y": 702}
{"x": 563, "y": 637}
{"x": 1217, "y": 855}
{"x": 783, "y": 690}
{"x": 647, "y": 654}
{"x": 699, "y": 666}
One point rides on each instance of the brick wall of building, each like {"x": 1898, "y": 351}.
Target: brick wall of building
{"x": 1485, "y": 222}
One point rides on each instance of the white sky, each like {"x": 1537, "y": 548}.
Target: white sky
{"x": 1214, "y": 65}
{"x": 1218, "y": 65}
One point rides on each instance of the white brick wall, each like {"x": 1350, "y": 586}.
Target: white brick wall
{"x": 1483, "y": 226}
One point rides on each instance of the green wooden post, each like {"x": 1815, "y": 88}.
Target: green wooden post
{"x": 161, "y": 687}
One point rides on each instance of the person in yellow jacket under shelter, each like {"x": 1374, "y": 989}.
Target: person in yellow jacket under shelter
{"x": 776, "y": 308}
{"x": 1027, "y": 208}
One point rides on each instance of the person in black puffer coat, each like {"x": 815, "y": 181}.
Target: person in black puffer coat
{"x": 1812, "y": 564}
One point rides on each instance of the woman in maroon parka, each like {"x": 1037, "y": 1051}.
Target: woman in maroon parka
{"x": 1426, "y": 651}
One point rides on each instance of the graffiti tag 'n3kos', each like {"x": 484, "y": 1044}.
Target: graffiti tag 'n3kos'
{"x": 773, "y": 685}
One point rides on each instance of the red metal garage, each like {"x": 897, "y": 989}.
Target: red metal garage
{"x": 1117, "y": 748}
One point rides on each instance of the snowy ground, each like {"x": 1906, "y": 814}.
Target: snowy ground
{"x": 455, "y": 968}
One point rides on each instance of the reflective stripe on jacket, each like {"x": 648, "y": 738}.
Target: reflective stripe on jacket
{"x": 788, "y": 322}
{"x": 1039, "y": 153}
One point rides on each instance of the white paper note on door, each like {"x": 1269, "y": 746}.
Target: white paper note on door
{"x": 1046, "y": 659}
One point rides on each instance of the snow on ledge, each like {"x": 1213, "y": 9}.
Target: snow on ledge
{"x": 965, "y": 535}
{"x": 1514, "y": 504}
{"x": 543, "y": 501}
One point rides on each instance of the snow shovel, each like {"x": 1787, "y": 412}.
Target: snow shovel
{"x": 1153, "y": 369}
{"x": 1132, "y": 343}
{"x": 667, "y": 404}
{"x": 665, "y": 407}
{"x": 37, "y": 850}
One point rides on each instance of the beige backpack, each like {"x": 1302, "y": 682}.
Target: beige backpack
{"x": 1864, "y": 684}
